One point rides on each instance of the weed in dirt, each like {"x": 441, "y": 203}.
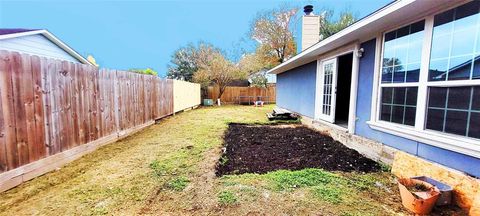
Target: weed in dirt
{"x": 322, "y": 184}
{"x": 385, "y": 167}
{"x": 330, "y": 194}
{"x": 286, "y": 180}
{"x": 158, "y": 169}
{"x": 227, "y": 198}
{"x": 223, "y": 160}
{"x": 178, "y": 184}
{"x": 364, "y": 182}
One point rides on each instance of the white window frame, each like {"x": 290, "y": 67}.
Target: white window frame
{"x": 461, "y": 144}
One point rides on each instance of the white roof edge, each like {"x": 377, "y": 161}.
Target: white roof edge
{"x": 52, "y": 38}
{"x": 362, "y": 22}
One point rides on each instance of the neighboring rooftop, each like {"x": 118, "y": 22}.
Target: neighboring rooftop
{"x": 12, "y": 33}
{"x": 15, "y": 30}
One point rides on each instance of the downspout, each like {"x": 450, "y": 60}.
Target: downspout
{"x": 352, "y": 117}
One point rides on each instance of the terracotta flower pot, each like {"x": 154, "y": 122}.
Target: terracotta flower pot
{"x": 420, "y": 201}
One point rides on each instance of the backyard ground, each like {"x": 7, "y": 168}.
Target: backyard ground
{"x": 169, "y": 169}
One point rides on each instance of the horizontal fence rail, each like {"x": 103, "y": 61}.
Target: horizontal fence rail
{"x": 48, "y": 107}
{"x": 243, "y": 95}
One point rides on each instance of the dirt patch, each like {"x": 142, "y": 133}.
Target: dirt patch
{"x": 265, "y": 148}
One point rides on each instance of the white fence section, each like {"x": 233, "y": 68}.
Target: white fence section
{"x": 185, "y": 95}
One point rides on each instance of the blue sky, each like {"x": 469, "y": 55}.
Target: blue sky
{"x": 140, "y": 34}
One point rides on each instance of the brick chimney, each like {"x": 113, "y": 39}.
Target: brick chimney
{"x": 310, "y": 27}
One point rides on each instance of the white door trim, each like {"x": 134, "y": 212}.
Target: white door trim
{"x": 352, "y": 107}
{"x": 353, "y": 88}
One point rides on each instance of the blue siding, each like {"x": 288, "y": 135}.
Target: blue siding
{"x": 451, "y": 159}
{"x": 296, "y": 89}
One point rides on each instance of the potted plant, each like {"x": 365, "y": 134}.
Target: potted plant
{"x": 418, "y": 196}
{"x": 445, "y": 197}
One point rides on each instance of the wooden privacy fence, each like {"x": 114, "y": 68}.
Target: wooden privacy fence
{"x": 52, "y": 111}
{"x": 243, "y": 95}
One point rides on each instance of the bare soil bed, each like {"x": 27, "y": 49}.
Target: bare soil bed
{"x": 265, "y": 148}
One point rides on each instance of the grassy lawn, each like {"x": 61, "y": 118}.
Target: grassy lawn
{"x": 169, "y": 169}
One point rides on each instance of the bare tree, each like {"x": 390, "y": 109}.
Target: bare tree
{"x": 215, "y": 68}
{"x": 271, "y": 29}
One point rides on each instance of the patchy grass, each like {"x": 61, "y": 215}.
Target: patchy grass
{"x": 178, "y": 184}
{"x": 169, "y": 169}
{"x": 226, "y": 198}
{"x": 286, "y": 180}
{"x": 330, "y": 194}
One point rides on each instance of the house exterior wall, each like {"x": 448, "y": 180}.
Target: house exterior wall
{"x": 36, "y": 45}
{"x": 448, "y": 158}
{"x": 296, "y": 89}
{"x": 296, "y": 92}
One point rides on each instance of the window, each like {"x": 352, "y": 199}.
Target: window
{"x": 454, "y": 55}
{"x": 434, "y": 98}
{"x": 327, "y": 88}
{"x": 399, "y": 105}
{"x": 454, "y": 110}
{"x": 401, "y": 65}
{"x": 402, "y": 54}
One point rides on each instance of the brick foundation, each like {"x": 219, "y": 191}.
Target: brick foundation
{"x": 371, "y": 149}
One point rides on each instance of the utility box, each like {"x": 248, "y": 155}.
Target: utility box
{"x": 207, "y": 102}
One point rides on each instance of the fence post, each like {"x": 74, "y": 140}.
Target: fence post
{"x": 115, "y": 103}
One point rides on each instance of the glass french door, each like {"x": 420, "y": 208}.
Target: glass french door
{"x": 328, "y": 90}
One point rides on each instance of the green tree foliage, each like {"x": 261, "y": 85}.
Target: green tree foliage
{"x": 183, "y": 64}
{"x": 147, "y": 71}
{"x": 186, "y": 60}
{"x": 329, "y": 26}
{"x": 259, "y": 79}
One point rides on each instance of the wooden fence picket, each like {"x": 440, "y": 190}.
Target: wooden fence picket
{"x": 50, "y": 106}
{"x": 237, "y": 95}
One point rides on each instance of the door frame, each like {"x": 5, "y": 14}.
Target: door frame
{"x": 351, "y": 48}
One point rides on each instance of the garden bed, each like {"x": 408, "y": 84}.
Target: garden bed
{"x": 265, "y": 148}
